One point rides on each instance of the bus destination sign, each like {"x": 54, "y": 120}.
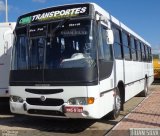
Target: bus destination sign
{"x": 55, "y": 13}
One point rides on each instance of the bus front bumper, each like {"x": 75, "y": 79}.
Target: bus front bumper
{"x": 64, "y": 111}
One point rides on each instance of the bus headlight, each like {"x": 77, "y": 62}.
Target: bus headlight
{"x": 16, "y": 99}
{"x": 81, "y": 101}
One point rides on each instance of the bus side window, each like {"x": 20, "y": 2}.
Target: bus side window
{"x": 139, "y": 51}
{"x": 147, "y": 54}
{"x": 133, "y": 48}
{"x": 126, "y": 46}
{"x": 117, "y": 46}
{"x": 106, "y": 50}
{"x": 135, "y": 45}
{"x": 150, "y": 54}
{"x": 144, "y": 50}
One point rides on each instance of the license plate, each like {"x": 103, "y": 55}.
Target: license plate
{"x": 74, "y": 109}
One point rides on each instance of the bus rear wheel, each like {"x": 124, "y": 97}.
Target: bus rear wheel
{"x": 144, "y": 93}
{"x": 117, "y": 104}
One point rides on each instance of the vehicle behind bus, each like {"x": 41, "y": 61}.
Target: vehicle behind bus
{"x": 156, "y": 65}
{"x": 6, "y": 43}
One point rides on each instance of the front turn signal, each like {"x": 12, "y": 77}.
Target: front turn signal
{"x": 90, "y": 100}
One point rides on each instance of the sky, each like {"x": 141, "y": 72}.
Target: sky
{"x": 142, "y": 16}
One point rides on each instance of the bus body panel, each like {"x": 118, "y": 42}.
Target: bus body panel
{"x": 135, "y": 77}
{"x": 133, "y": 89}
{"x": 119, "y": 71}
{"x": 106, "y": 94}
{"x": 133, "y": 71}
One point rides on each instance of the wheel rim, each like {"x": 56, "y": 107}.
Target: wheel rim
{"x": 118, "y": 103}
{"x": 146, "y": 89}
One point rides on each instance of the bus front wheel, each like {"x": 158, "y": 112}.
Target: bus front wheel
{"x": 117, "y": 104}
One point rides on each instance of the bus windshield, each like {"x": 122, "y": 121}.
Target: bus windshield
{"x": 67, "y": 44}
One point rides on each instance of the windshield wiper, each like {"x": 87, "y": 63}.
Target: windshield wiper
{"x": 58, "y": 26}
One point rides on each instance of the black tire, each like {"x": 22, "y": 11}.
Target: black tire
{"x": 144, "y": 93}
{"x": 117, "y": 104}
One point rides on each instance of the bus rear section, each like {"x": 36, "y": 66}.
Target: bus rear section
{"x": 6, "y": 43}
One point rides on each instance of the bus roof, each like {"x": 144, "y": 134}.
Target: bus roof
{"x": 105, "y": 14}
{"x": 119, "y": 23}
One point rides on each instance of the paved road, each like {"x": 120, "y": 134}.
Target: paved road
{"x": 145, "y": 116}
{"x": 25, "y": 125}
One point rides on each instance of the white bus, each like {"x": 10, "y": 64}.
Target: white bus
{"x": 76, "y": 61}
{"x": 6, "y": 42}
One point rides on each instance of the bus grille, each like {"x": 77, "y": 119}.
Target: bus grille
{"x": 44, "y": 91}
{"x": 45, "y": 112}
{"x": 47, "y": 102}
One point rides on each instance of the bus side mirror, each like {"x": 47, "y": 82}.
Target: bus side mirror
{"x": 109, "y": 36}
